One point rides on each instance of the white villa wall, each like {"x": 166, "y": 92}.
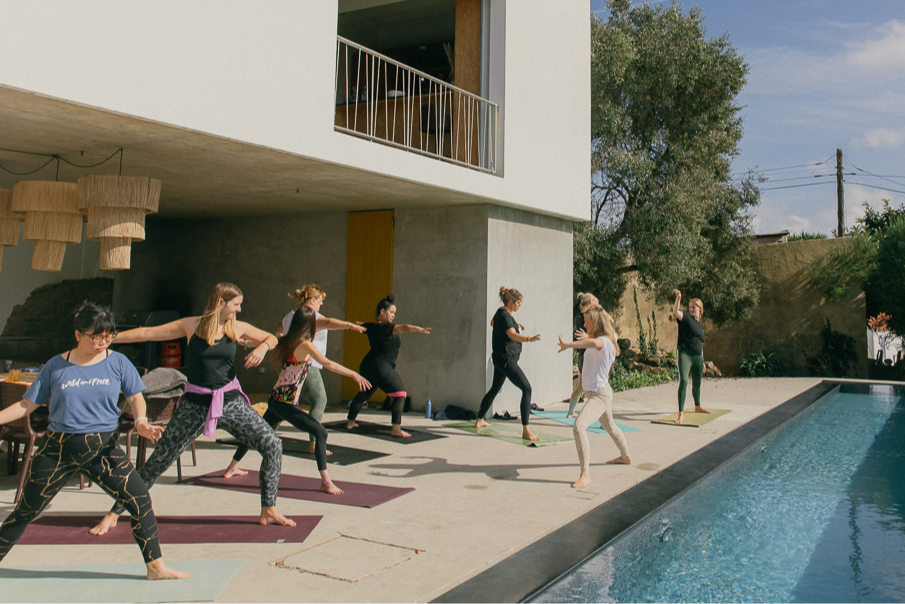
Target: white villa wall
{"x": 264, "y": 73}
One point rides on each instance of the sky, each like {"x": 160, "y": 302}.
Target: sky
{"x": 824, "y": 74}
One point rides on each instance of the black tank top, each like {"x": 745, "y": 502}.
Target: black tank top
{"x": 210, "y": 366}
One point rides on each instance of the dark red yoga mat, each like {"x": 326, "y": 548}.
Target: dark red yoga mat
{"x": 356, "y": 494}
{"x": 73, "y": 530}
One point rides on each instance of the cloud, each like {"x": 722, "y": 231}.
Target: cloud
{"x": 885, "y": 53}
{"x": 881, "y": 138}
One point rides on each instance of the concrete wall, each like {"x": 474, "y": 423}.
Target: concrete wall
{"x": 18, "y": 280}
{"x": 440, "y": 280}
{"x": 266, "y": 257}
{"x": 264, "y": 73}
{"x": 533, "y": 254}
{"x": 788, "y": 319}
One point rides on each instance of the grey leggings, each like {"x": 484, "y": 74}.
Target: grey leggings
{"x": 598, "y": 406}
{"x": 240, "y": 420}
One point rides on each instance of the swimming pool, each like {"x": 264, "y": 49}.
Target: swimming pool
{"x": 812, "y": 512}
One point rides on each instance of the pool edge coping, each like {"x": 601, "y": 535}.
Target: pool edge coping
{"x": 522, "y": 575}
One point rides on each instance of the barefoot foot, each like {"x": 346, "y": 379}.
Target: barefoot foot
{"x": 330, "y": 488}
{"x": 583, "y": 481}
{"x": 311, "y": 449}
{"x": 621, "y": 460}
{"x": 158, "y": 571}
{"x": 527, "y": 434}
{"x": 272, "y": 516}
{"x": 350, "y": 425}
{"x": 680, "y": 419}
{"x": 481, "y": 424}
{"x": 233, "y": 470}
{"x": 398, "y": 432}
{"x": 701, "y": 410}
{"x": 107, "y": 523}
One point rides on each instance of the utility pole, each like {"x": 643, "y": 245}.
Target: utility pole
{"x": 840, "y": 196}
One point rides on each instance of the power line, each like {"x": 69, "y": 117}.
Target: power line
{"x": 812, "y": 184}
{"x": 803, "y": 177}
{"x": 862, "y": 184}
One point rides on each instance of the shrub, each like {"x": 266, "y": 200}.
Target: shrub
{"x": 803, "y": 236}
{"x": 760, "y": 364}
{"x": 837, "y": 355}
{"x": 621, "y": 379}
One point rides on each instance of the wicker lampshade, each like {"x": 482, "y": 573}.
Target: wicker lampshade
{"x": 9, "y": 222}
{"x": 116, "y": 208}
{"x": 52, "y": 219}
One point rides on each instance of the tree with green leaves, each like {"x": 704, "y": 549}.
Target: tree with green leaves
{"x": 665, "y": 127}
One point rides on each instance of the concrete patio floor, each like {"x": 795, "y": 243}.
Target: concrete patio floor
{"x": 477, "y": 501}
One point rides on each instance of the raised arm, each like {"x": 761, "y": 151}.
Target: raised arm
{"x": 267, "y": 341}
{"x": 675, "y": 308}
{"x": 180, "y": 328}
{"x": 326, "y": 323}
{"x": 517, "y": 337}
{"x": 410, "y": 329}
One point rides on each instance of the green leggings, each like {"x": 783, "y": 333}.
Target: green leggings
{"x": 695, "y": 363}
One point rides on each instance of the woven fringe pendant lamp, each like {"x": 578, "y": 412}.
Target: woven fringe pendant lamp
{"x": 52, "y": 219}
{"x": 9, "y": 222}
{"x": 116, "y": 207}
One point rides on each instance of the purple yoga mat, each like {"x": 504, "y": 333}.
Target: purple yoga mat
{"x": 73, "y": 530}
{"x": 356, "y": 494}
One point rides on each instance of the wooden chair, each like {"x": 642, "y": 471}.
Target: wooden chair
{"x": 159, "y": 412}
{"x": 24, "y": 431}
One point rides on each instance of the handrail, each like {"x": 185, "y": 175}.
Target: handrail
{"x": 385, "y": 101}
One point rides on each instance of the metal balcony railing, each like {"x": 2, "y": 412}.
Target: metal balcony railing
{"x": 387, "y": 102}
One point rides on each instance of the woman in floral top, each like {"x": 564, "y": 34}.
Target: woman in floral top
{"x": 294, "y": 353}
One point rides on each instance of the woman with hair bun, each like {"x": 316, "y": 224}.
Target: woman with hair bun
{"x": 313, "y": 392}
{"x": 507, "y": 347}
{"x": 379, "y": 365}
{"x": 81, "y": 389}
{"x": 213, "y": 396}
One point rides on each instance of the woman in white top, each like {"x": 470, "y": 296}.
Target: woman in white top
{"x": 313, "y": 391}
{"x": 599, "y": 343}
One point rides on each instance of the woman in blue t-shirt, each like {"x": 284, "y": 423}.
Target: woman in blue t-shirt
{"x": 506, "y": 343}
{"x": 82, "y": 389}
{"x": 690, "y": 348}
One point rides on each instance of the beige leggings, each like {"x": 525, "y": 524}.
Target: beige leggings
{"x": 598, "y": 406}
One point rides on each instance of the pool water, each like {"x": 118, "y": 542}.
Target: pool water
{"x": 815, "y": 512}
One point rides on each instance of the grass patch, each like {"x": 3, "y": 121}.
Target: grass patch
{"x": 621, "y": 379}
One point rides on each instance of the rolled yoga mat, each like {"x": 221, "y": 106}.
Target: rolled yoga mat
{"x": 382, "y": 431}
{"x": 302, "y": 487}
{"x": 73, "y": 530}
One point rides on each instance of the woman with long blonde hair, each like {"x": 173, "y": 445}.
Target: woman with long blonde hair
{"x": 213, "y": 396}
{"x": 598, "y": 340}
{"x": 585, "y": 301}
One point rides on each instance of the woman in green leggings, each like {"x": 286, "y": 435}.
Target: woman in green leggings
{"x": 691, "y": 352}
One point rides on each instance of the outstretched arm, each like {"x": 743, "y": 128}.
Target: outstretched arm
{"x": 181, "y": 328}
{"x": 326, "y": 323}
{"x": 307, "y": 348}
{"x": 675, "y": 309}
{"x": 411, "y": 329}
{"x": 584, "y": 343}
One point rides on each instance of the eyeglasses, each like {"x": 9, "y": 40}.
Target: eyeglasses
{"x": 102, "y": 338}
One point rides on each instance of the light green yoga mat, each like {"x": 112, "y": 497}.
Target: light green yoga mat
{"x": 560, "y": 416}
{"x": 692, "y": 419}
{"x": 511, "y": 434}
{"x": 114, "y": 583}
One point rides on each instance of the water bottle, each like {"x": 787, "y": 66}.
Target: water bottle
{"x": 428, "y": 414}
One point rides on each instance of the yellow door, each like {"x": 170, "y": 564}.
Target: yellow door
{"x": 369, "y": 278}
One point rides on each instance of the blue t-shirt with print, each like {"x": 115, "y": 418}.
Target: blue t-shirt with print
{"x": 83, "y": 400}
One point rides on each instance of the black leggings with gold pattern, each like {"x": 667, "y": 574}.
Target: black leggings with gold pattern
{"x": 98, "y": 457}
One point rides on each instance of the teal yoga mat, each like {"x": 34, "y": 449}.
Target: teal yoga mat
{"x": 114, "y": 582}
{"x": 560, "y": 416}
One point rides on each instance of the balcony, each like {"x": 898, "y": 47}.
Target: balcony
{"x": 387, "y": 102}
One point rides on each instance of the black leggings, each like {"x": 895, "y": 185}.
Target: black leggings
{"x": 98, "y": 457}
{"x": 511, "y": 371}
{"x": 381, "y": 375}
{"x": 278, "y": 412}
